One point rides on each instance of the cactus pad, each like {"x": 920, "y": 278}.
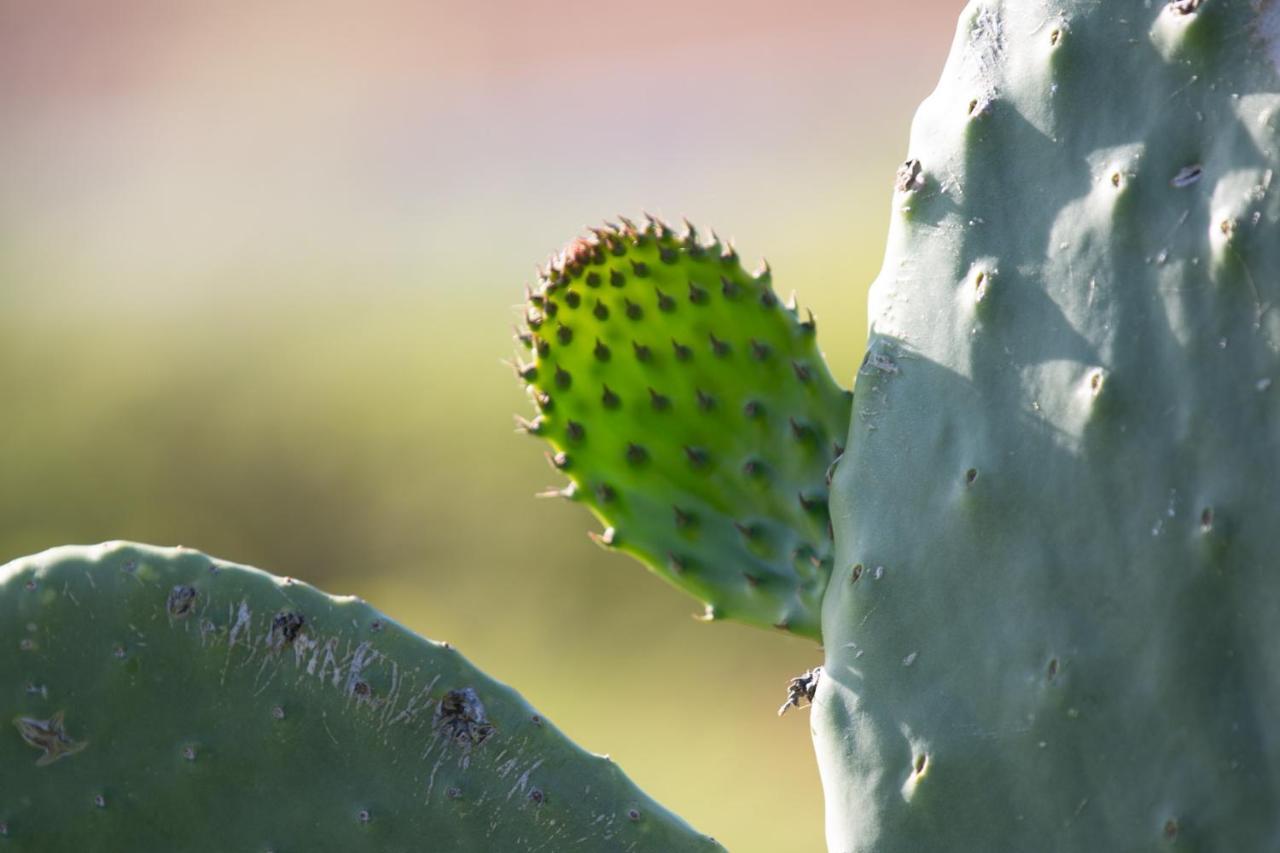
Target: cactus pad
{"x": 694, "y": 415}
{"x": 157, "y": 699}
{"x": 1054, "y": 621}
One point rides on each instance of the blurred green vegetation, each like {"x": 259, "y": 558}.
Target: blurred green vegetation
{"x": 258, "y": 268}
{"x": 362, "y": 440}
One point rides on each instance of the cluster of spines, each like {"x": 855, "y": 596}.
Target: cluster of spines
{"x": 595, "y": 279}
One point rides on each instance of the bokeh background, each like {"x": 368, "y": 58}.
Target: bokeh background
{"x": 259, "y": 263}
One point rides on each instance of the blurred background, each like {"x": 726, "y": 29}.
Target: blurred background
{"x": 259, "y": 263}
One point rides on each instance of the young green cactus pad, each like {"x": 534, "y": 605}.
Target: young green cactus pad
{"x": 693, "y": 414}
{"x": 1053, "y": 621}
{"x": 157, "y": 699}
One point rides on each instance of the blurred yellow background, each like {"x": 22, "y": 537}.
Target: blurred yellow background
{"x": 258, "y": 268}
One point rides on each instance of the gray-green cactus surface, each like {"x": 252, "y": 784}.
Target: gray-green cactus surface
{"x": 159, "y": 699}
{"x": 1054, "y": 615}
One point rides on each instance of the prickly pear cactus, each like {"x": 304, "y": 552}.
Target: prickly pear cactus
{"x": 157, "y": 699}
{"x": 1052, "y": 624}
{"x": 694, "y": 415}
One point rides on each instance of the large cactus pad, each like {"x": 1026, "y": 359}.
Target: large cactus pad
{"x": 693, "y": 414}
{"x": 1054, "y": 622}
{"x": 161, "y": 700}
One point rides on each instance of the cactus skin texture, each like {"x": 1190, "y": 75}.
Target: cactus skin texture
{"x": 157, "y": 699}
{"x": 693, "y": 414}
{"x": 1052, "y": 624}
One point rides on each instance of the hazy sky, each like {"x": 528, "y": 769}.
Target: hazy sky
{"x": 162, "y": 148}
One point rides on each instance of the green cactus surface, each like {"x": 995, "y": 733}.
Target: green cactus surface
{"x": 1054, "y": 620}
{"x": 694, "y": 415}
{"x": 158, "y": 699}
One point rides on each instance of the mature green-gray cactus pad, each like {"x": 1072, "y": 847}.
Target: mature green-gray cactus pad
{"x": 161, "y": 700}
{"x": 693, "y": 414}
{"x": 1054, "y": 622}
